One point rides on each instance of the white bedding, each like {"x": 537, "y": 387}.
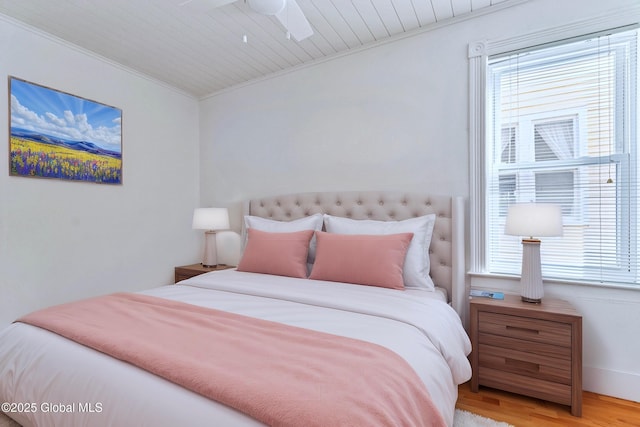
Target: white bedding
{"x": 51, "y": 373}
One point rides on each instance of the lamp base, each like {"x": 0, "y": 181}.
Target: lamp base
{"x": 210, "y": 258}
{"x": 531, "y": 289}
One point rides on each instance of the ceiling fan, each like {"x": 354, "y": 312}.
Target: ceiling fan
{"x": 287, "y": 11}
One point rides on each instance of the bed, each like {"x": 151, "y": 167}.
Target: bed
{"x": 52, "y": 380}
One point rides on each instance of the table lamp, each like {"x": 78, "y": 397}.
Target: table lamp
{"x": 531, "y": 221}
{"x": 211, "y": 220}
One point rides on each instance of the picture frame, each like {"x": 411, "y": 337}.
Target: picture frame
{"x": 54, "y": 134}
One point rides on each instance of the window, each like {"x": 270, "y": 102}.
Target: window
{"x": 561, "y": 128}
{"x": 519, "y": 170}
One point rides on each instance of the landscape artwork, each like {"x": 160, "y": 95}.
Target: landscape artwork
{"x": 57, "y": 135}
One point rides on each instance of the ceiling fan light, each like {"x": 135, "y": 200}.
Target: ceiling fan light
{"x": 267, "y": 7}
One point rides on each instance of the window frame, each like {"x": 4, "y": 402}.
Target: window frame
{"x": 479, "y": 53}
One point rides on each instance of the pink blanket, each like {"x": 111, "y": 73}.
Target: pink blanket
{"x": 278, "y": 374}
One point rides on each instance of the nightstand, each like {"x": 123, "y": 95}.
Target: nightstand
{"x": 529, "y": 349}
{"x": 187, "y": 271}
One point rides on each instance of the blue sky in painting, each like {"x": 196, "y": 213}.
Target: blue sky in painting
{"x": 58, "y": 114}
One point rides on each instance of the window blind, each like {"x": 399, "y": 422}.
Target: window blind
{"x": 562, "y": 128}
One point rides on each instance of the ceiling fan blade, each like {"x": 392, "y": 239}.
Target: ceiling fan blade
{"x": 203, "y": 5}
{"x": 293, "y": 19}
{"x": 267, "y": 7}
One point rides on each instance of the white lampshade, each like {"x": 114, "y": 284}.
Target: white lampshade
{"x": 534, "y": 220}
{"x": 211, "y": 219}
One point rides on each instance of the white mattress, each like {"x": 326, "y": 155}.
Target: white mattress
{"x": 44, "y": 369}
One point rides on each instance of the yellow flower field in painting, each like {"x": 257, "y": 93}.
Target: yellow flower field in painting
{"x": 31, "y": 158}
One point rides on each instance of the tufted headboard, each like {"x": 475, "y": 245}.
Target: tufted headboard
{"x": 447, "y": 244}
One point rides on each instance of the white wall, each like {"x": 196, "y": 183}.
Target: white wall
{"x": 62, "y": 240}
{"x": 396, "y": 117}
{"x": 364, "y": 121}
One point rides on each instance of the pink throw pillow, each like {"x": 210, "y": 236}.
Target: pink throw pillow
{"x": 374, "y": 260}
{"x": 281, "y": 254}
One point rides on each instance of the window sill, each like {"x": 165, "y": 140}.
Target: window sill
{"x": 511, "y": 279}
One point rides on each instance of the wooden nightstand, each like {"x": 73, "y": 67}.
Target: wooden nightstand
{"x": 529, "y": 349}
{"x": 187, "y": 271}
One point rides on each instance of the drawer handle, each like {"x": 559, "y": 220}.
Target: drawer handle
{"x": 529, "y": 366}
{"x": 528, "y": 331}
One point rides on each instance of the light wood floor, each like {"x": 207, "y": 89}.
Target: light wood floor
{"x": 521, "y": 411}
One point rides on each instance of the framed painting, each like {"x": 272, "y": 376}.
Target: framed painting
{"x": 57, "y": 135}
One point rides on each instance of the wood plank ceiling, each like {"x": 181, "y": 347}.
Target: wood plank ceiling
{"x": 201, "y": 53}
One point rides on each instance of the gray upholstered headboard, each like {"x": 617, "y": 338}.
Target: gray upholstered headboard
{"x": 447, "y": 244}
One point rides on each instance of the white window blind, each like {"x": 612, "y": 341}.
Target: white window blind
{"x": 562, "y": 128}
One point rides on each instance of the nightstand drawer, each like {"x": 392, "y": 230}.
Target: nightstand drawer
{"x": 546, "y": 390}
{"x": 523, "y": 362}
{"x": 534, "y": 347}
{"x": 525, "y": 328}
{"x": 180, "y": 277}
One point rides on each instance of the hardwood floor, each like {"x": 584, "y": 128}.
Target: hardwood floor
{"x": 522, "y": 411}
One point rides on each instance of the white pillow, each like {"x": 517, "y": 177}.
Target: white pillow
{"x": 417, "y": 264}
{"x": 313, "y": 222}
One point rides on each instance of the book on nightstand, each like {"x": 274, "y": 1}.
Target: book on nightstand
{"x": 486, "y": 294}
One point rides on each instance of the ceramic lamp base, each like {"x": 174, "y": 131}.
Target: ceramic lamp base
{"x": 531, "y": 279}
{"x": 210, "y": 258}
